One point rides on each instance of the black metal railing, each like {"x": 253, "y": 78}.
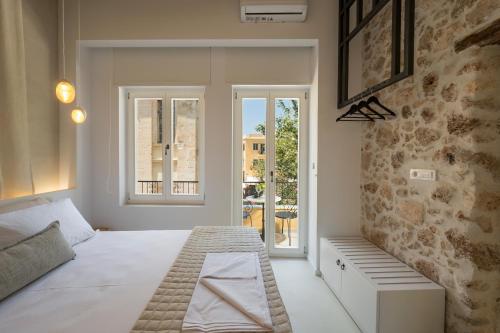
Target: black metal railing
{"x": 186, "y": 187}
{"x": 150, "y": 186}
{"x": 287, "y": 190}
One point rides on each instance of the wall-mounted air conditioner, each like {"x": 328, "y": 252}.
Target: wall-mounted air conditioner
{"x": 268, "y": 11}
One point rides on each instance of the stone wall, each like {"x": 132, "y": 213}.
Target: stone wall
{"x": 448, "y": 119}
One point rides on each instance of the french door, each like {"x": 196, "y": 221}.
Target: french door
{"x": 270, "y": 166}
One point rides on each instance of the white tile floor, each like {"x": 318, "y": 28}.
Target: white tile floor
{"x": 311, "y": 306}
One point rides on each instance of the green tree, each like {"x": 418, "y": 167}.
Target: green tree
{"x": 261, "y": 128}
{"x": 259, "y": 168}
{"x": 287, "y": 141}
{"x": 286, "y": 146}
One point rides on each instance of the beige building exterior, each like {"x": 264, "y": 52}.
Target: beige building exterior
{"x": 185, "y": 150}
{"x": 254, "y": 149}
{"x": 148, "y": 144}
{"x": 149, "y": 138}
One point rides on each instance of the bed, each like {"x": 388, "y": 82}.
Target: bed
{"x": 58, "y": 275}
{"x": 105, "y": 288}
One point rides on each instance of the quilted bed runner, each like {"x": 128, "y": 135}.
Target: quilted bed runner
{"x": 167, "y": 308}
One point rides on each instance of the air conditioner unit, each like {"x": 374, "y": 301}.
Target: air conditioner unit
{"x": 269, "y": 11}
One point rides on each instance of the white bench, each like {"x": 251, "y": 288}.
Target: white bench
{"x": 382, "y": 294}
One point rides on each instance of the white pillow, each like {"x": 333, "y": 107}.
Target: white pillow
{"x": 29, "y": 221}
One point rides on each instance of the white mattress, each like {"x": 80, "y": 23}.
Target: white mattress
{"x": 104, "y": 289}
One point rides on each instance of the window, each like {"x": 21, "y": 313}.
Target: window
{"x": 255, "y": 146}
{"x": 165, "y": 144}
{"x": 159, "y": 122}
{"x": 262, "y": 149}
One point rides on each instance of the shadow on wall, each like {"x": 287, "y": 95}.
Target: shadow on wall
{"x": 29, "y": 114}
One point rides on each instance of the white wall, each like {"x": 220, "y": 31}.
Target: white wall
{"x": 338, "y": 153}
{"x": 338, "y": 164}
{"x": 215, "y": 68}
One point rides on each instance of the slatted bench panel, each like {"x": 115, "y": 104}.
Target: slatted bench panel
{"x": 381, "y": 293}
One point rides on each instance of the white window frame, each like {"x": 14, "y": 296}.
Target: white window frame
{"x": 167, "y": 94}
{"x": 270, "y": 93}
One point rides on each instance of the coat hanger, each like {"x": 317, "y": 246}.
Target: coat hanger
{"x": 374, "y": 113}
{"x": 355, "y": 114}
{"x": 375, "y": 100}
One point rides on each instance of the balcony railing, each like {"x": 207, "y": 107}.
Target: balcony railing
{"x": 188, "y": 187}
{"x": 150, "y": 186}
{"x": 287, "y": 190}
{"x": 185, "y": 187}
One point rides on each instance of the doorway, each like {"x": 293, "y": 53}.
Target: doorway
{"x": 270, "y": 166}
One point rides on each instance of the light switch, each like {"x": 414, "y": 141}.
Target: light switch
{"x": 423, "y": 174}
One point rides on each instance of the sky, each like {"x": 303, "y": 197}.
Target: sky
{"x": 254, "y": 113}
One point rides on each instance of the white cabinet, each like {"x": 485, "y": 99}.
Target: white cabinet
{"x": 331, "y": 273}
{"x": 382, "y": 294}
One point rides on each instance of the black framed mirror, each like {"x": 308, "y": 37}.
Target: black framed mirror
{"x": 381, "y": 31}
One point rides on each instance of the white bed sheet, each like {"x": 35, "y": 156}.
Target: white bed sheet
{"x": 105, "y": 289}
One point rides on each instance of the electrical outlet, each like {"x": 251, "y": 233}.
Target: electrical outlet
{"x": 423, "y": 174}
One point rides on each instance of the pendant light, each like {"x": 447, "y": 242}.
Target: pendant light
{"x": 78, "y": 114}
{"x": 65, "y": 91}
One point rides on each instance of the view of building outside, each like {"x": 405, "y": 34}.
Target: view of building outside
{"x": 149, "y": 137}
{"x": 286, "y": 138}
{"x": 254, "y": 152}
{"x": 148, "y": 146}
{"x": 185, "y": 161}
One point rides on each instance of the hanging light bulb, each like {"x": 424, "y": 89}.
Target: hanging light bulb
{"x": 65, "y": 92}
{"x": 78, "y": 115}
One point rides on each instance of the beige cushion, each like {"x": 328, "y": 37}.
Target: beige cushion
{"x": 26, "y": 261}
{"x": 12, "y": 207}
{"x": 9, "y": 236}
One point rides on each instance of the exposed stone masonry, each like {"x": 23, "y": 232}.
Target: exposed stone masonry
{"x": 448, "y": 120}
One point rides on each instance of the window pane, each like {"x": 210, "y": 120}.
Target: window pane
{"x": 287, "y": 168}
{"x": 185, "y": 146}
{"x": 254, "y": 112}
{"x": 148, "y": 113}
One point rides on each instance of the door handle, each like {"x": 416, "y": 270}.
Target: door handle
{"x": 338, "y": 262}
{"x": 167, "y": 147}
{"x": 272, "y": 176}
{"x": 342, "y": 267}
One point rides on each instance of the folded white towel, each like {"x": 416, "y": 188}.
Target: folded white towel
{"x": 229, "y": 296}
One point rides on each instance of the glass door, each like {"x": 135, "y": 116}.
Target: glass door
{"x": 269, "y": 155}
